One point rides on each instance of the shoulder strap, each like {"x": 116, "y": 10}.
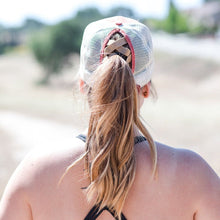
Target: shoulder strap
{"x": 137, "y": 139}
{"x": 82, "y": 137}
{"x": 94, "y": 213}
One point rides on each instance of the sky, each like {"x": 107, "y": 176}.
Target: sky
{"x": 13, "y": 13}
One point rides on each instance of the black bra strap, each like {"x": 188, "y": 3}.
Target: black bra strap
{"x": 94, "y": 213}
{"x": 82, "y": 137}
{"x": 137, "y": 139}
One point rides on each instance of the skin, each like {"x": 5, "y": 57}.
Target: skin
{"x": 186, "y": 188}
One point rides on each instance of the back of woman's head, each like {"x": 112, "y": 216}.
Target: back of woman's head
{"x": 116, "y": 56}
{"x": 135, "y": 35}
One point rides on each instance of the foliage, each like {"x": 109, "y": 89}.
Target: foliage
{"x": 2, "y": 48}
{"x": 31, "y": 24}
{"x": 175, "y": 21}
{"x": 1, "y": 28}
{"x": 8, "y": 39}
{"x": 87, "y": 15}
{"x": 52, "y": 46}
{"x": 203, "y": 30}
{"x": 121, "y": 11}
{"x": 15, "y": 36}
{"x": 211, "y": 0}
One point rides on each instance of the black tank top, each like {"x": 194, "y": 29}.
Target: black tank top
{"x": 94, "y": 212}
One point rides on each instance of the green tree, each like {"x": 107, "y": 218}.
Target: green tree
{"x": 1, "y": 28}
{"x": 52, "y": 46}
{"x": 175, "y": 21}
{"x": 2, "y": 48}
{"x": 121, "y": 11}
{"x": 211, "y": 0}
{"x": 87, "y": 15}
{"x": 31, "y": 24}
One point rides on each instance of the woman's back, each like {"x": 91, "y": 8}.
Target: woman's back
{"x": 181, "y": 189}
{"x": 146, "y": 180}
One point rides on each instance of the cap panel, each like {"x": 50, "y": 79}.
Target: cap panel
{"x": 97, "y": 33}
{"x": 106, "y": 40}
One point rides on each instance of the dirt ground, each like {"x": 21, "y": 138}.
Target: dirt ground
{"x": 186, "y": 114}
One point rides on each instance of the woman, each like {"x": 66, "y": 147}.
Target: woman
{"x": 115, "y": 170}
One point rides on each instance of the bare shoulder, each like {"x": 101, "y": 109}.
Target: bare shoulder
{"x": 42, "y": 167}
{"x": 192, "y": 175}
{"x": 37, "y": 178}
{"x": 185, "y": 163}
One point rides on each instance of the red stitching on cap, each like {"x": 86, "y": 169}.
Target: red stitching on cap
{"x": 129, "y": 43}
{"x": 118, "y": 23}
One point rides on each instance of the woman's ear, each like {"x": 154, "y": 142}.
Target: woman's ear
{"x": 146, "y": 90}
{"x": 81, "y": 86}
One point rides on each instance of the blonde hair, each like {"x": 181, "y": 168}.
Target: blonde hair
{"x": 109, "y": 157}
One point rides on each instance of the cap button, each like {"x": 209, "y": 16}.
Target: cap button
{"x": 118, "y": 23}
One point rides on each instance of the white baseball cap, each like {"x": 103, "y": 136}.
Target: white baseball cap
{"x": 138, "y": 37}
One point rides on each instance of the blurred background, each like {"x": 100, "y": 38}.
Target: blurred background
{"x": 40, "y": 106}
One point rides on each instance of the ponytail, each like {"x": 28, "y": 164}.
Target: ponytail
{"x": 109, "y": 157}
